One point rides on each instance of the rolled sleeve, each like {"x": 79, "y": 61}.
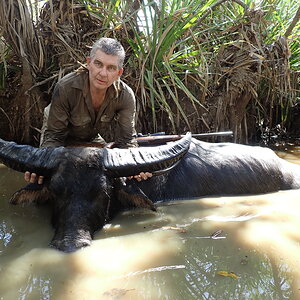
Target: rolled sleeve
{"x": 125, "y": 133}
{"x": 57, "y": 124}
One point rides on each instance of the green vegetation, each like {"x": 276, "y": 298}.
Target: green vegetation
{"x": 194, "y": 65}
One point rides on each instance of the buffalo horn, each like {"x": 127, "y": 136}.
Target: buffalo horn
{"x": 27, "y": 158}
{"x": 132, "y": 161}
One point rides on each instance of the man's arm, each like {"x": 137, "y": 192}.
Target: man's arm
{"x": 125, "y": 131}
{"x": 56, "y": 127}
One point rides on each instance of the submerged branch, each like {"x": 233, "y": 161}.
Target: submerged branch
{"x": 157, "y": 269}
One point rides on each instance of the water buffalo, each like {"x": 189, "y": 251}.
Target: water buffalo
{"x": 87, "y": 186}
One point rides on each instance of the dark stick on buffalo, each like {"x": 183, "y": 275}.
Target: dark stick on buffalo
{"x": 159, "y": 138}
{"x": 87, "y": 186}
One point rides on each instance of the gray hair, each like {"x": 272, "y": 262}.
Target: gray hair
{"x": 110, "y": 47}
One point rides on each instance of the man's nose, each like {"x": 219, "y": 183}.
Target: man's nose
{"x": 103, "y": 71}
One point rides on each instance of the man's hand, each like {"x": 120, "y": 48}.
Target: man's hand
{"x": 141, "y": 176}
{"x": 32, "y": 178}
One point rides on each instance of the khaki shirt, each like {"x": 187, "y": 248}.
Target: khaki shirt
{"x": 73, "y": 120}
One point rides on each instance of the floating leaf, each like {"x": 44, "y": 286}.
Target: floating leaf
{"x": 115, "y": 293}
{"x": 227, "y": 274}
{"x": 179, "y": 229}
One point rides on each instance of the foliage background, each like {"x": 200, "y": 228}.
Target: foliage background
{"x": 194, "y": 65}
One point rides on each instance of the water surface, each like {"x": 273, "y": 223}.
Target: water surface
{"x": 209, "y": 248}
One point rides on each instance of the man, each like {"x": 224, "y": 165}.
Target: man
{"x": 89, "y": 104}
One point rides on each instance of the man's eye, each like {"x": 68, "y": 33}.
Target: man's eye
{"x": 111, "y": 68}
{"x": 98, "y": 63}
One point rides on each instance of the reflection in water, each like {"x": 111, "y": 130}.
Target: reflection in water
{"x": 172, "y": 254}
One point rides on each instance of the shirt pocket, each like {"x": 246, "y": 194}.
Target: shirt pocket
{"x": 106, "y": 118}
{"x": 106, "y": 127}
{"x": 79, "y": 120}
{"x": 81, "y": 128}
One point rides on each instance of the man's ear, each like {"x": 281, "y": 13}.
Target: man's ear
{"x": 88, "y": 60}
{"x": 121, "y": 71}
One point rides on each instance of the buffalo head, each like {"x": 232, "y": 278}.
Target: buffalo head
{"x": 84, "y": 185}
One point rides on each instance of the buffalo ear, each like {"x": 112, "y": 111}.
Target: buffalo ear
{"x": 130, "y": 195}
{"x": 32, "y": 193}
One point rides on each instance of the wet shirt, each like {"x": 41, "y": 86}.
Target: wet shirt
{"x": 72, "y": 118}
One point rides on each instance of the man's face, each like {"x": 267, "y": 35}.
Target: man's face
{"x": 103, "y": 70}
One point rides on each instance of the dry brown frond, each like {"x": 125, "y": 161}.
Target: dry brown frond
{"x": 238, "y": 71}
{"x": 19, "y": 32}
{"x": 68, "y": 31}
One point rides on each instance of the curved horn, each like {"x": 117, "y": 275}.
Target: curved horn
{"x": 27, "y": 158}
{"x": 132, "y": 161}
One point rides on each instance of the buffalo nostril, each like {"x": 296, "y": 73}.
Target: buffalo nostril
{"x": 83, "y": 243}
{"x": 72, "y": 247}
{"x": 69, "y": 246}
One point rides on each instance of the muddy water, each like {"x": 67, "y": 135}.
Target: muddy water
{"x": 210, "y": 248}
